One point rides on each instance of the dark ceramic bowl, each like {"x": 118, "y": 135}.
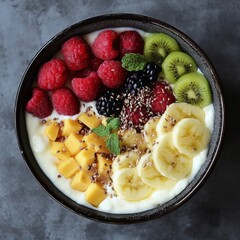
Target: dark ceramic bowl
{"x": 111, "y": 21}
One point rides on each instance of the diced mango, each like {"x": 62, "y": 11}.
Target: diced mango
{"x": 97, "y": 142}
{"x": 70, "y": 126}
{"x": 74, "y": 143}
{"x": 104, "y": 165}
{"x": 86, "y": 157}
{"x": 59, "y": 150}
{"x": 52, "y": 130}
{"x": 95, "y": 194}
{"x": 68, "y": 167}
{"x": 89, "y": 119}
{"x": 81, "y": 181}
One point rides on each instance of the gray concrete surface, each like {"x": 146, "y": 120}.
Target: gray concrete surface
{"x": 26, "y": 210}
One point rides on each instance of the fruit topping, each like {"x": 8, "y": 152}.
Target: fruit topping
{"x": 65, "y": 102}
{"x": 193, "y": 88}
{"x": 158, "y": 46}
{"x": 95, "y": 63}
{"x": 109, "y": 104}
{"x": 112, "y": 74}
{"x": 130, "y": 42}
{"x": 177, "y": 64}
{"x": 76, "y": 53}
{"x": 87, "y": 88}
{"x": 52, "y": 75}
{"x": 152, "y": 71}
{"x": 39, "y": 104}
{"x": 136, "y": 109}
{"x": 168, "y": 161}
{"x": 105, "y": 46}
{"x": 134, "y": 82}
{"x": 162, "y": 97}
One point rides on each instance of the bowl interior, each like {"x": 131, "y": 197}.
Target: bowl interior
{"x": 112, "y": 21}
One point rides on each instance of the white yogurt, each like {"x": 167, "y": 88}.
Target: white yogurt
{"x": 40, "y": 147}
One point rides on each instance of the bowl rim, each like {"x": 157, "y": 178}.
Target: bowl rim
{"x": 94, "y": 214}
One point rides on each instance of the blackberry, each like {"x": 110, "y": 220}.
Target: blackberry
{"x": 152, "y": 71}
{"x": 109, "y": 104}
{"x": 137, "y": 80}
{"x": 134, "y": 82}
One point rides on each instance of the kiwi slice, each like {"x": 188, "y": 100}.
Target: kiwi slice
{"x": 157, "y": 46}
{"x": 177, "y": 64}
{"x": 193, "y": 88}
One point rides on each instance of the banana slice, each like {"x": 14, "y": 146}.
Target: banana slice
{"x": 168, "y": 161}
{"x": 150, "y": 133}
{"x": 175, "y": 112}
{"x": 126, "y": 160}
{"x": 190, "y": 136}
{"x": 129, "y": 186}
{"x": 149, "y": 174}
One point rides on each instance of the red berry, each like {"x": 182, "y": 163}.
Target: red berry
{"x": 112, "y": 74}
{"x": 105, "y": 46}
{"x": 162, "y": 97}
{"x": 95, "y": 63}
{"x": 76, "y": 53}
{"x": 39, "y": 105}
{"x": 65, "y": 102}
{"x": 87, "y": 89}
{"x": 130, "y": 42}
{"x": 137, "y": 117}
{"x": 53, "y": 74}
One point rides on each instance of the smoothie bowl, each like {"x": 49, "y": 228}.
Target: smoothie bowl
{"x": 120, "y": 118}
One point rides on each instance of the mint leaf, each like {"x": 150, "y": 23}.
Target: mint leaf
{"x": 109, "y": 119}
{"x": 101, "y": 131}
{"x": 133, "y": 62}
{"x": 113, "y": 143}
{"x": 113, "y": 124}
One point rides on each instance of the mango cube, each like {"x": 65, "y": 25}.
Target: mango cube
{"x": 59, "y": 150}
{"x": 52, "y": 130}
{"x": 70, "y": 126}
{"x": 68, "y": 167}
{"x": 95, "y": 194}
{"x": 89, "y": 119}
{"x": 81, "y": 181}
{"x": 104, "y": 165}
{"x": 86, "y": 157}
{"x": 97, "y": 142}
{"x": 74, "y": 143}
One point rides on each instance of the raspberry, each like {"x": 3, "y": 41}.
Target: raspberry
{"x": 162, "y": 97}
{"x": 39, "y": 105}
{"x": 105, "y": 46}
{"x": 112, "y": 74}
{"x": 52, "y": 75}
{"x": 76, "y": 53}
{"x": 87, "y": 88}
{"x": 136, "y": 110}
{"x": 95, "y": 63}
{"x": 130, "y": 42}
{"x": 138, "y": 116}
{"x": 65, "y": 102}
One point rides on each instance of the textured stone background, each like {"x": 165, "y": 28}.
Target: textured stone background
{"x": 26, "y": 210}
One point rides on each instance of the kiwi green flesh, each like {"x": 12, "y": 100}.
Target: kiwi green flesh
{"x": 158, "y": 46}
{"x": 176, "y": 64}
{"x": 193, "y": 88}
